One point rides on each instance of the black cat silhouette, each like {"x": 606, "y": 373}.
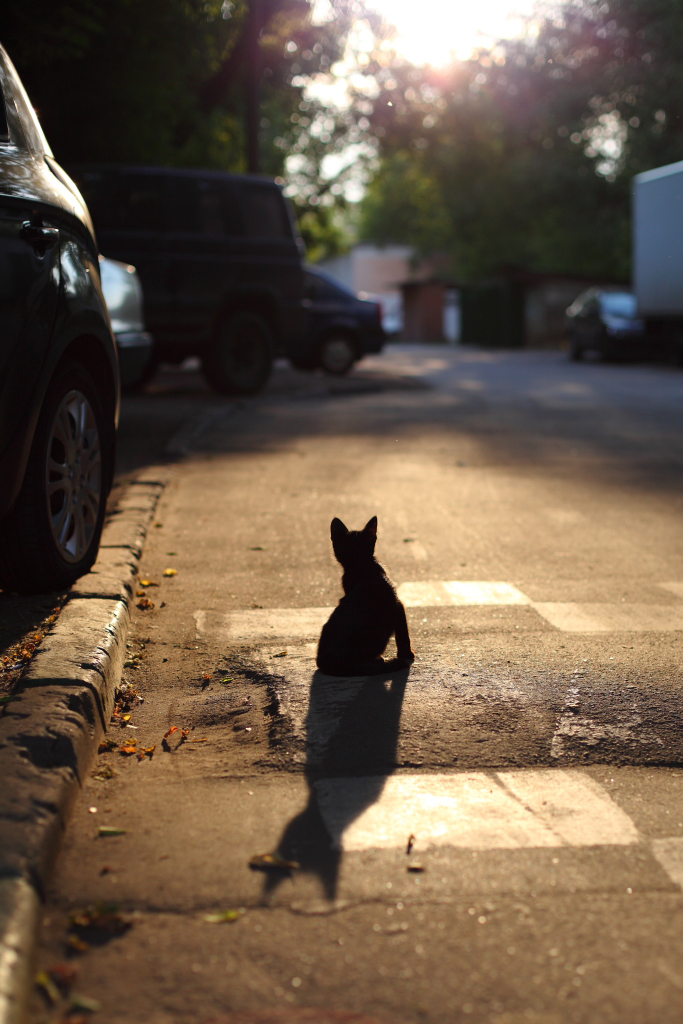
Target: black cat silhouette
{"x": 357, "y": 632}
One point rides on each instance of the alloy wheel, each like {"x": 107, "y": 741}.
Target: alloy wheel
{"x": 73, "y": 476}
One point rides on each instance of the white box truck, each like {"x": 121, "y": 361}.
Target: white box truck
{"x": 658, "y": 255}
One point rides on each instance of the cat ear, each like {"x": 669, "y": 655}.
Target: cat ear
{"x": 371, "y": 527}
{"x": 337, "y": 529}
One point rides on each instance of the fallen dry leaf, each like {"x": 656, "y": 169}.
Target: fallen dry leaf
{"x": 174, "y": 728}
{"x": 47, "y": 987}
{"x": 224, "y": 916}
{"x": 63, "y": 975}
{"x": 104, "y": 773}
{"x": 272, "y": 862}
{"x": 99, "y": 917}
{"x": 145, "y": 604}
{"x": 148, "y": 583}
{"x": 110, "y": 830}
{"x": 107, "y": 745}
{"x": 170, "y": 572}
{"x": 83, "y": 1003}
{"x": 78, "y": 945}
{"x": 411, "y": 843}
{"x": 204, "y": 739}
{"x": 147, "y": 752}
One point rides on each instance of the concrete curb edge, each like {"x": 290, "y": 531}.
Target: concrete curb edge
{"x": 50, "y": 732}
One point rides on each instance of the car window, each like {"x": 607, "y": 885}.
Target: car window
{"x": 320, "y": 288}
{"x": 4, "y": 124}
{"x": 29, "y": 121}
{"x": 204, "y": 206}
{"x": 618, "y": 304}
{"x": 265, "y": 215}
{"x": 125, "y": 201}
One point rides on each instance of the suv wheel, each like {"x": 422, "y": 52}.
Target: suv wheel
{"x": 241, "y": 358}
{"x": 337, "y": 354}
{"x": 52, "y": 534}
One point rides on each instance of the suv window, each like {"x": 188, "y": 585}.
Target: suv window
{"x": 204, "y": 206}
{"x": 125, "y": 202}
{"x": 265, "y": 215}
{"x": 318, "y": 287}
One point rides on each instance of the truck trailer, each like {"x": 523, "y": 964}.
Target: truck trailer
{"x": 658, "y": 256}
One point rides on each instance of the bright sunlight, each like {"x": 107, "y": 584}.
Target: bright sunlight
{"x": 434, "y": 31}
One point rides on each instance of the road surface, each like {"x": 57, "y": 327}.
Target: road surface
{"x": 530, "y": 761}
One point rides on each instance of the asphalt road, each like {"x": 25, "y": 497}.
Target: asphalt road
{"x": 531, "y": 759}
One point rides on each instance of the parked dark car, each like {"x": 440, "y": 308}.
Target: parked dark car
{"x": 123, "y": 295}
{"x": 219, "y": 262}
{"x": 605, "y": 322}
{"x": 340, "y": 328}
{"x": 59, "y": 384}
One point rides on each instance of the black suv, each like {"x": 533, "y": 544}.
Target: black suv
{"x": 59, "y": 384}
{"x": 219, "y": 261}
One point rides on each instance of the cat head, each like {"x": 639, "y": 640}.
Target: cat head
{"x": 353, "y": 546}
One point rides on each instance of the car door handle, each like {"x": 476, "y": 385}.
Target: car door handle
{"x": 38, "y": 236}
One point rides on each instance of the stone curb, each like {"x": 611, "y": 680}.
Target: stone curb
{"x": 50, "y": 732}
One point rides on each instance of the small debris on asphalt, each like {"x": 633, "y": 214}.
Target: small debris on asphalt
{"x": 170, "y": 572}
{"x": 83, "y": 1003}
{"x": 416, "y": 868}
{"x": 148, "y": 583}
{"x": 224, "y": 916}
{"x": 411, "y": 843}
{"x": 110, "y": 830}
{"x": 272, "y": 862}
{"x": 47, "y": 987}
{"x": 104, "y": 773}
{"x": 145, "y": 604}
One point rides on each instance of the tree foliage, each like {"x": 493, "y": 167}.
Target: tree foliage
{"x": 523, "y": 155}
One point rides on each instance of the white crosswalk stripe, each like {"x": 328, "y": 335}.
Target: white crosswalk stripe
{"x": 567, "y": 616}
{"x": 475, "y": 810}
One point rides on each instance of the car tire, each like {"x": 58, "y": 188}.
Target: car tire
{"x": 145, "y": 378}
{"x": 337, "y": 354}
{"x": 52, "y": 535}
{"x": 575, "y": 350}
{"x": 307, "y": 363}
{"x": 240, "y": 359}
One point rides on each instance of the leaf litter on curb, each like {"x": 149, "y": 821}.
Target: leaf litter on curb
{"x": 98, "y": 921}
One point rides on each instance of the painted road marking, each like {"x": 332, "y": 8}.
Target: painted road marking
{"x": 669, "y": 853}
{"x": 432, "y": 593}
{"x": 262, "y": 623}
{"x": 475, "y": 810}
{"x": 611, "y": 618}
{"x": 570, "y": 617}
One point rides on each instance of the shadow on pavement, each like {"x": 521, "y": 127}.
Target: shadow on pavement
{"x": 351, "y": 730}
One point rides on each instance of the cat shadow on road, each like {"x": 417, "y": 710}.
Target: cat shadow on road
{"x": 351, "y": 731}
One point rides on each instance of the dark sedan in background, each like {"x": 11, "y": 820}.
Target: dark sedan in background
{"x": 605, "y": 322}
{"x": 340, "y": 328}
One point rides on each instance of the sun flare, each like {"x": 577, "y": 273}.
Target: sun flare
{"x": 435, "y": 31}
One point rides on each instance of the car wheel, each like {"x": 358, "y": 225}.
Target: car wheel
{"x": 303, "y": 362}
{"x": 240, "y": 359}
{"x": 52, "y": 534}
{"x": 575, "y": 350}
{"x": 337, "y": 354}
